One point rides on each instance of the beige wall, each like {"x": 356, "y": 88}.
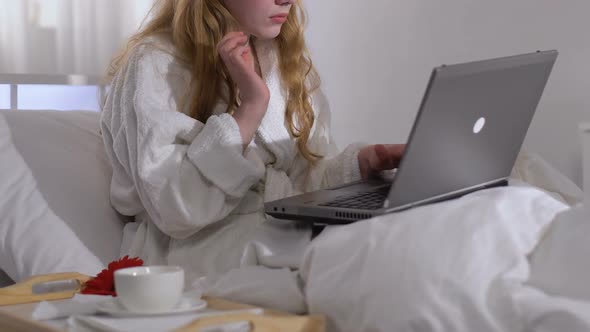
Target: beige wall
{"x": 375, "y": 57}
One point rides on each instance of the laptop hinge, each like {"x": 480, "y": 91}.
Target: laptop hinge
{"x": 454, "y": 194}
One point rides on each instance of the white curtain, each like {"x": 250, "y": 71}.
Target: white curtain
{"x": 65, "y": 36}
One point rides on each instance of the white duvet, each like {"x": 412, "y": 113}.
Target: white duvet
{"x": 452, "y": 266}
{"x": 460, "y": 265}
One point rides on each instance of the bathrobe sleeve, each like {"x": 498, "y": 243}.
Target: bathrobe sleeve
{"x": 336, "y": 168}
{"x": 185, "y": 174}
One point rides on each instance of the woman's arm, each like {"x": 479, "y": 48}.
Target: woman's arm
{"x": 335, "y": 168}
{"x": 357, "y": 161}
{"x": 186, "y": 174}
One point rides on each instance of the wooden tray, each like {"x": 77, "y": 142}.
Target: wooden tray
{"x": 17, "y": 303}
{"x": 23, "y": 291}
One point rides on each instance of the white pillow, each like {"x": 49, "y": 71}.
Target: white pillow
{"x": 531, "y": 168}
{"x": 559, "y": 265}
{"x": 55, "y": 172}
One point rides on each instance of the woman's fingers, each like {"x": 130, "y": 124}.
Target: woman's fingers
{"x": 382, "y": 154}
{"x": 378, "y": 158}
{"x": 396, "y": 152}
{"x": 236, "y": 55}
{"x": 387, "y": 156}
{"x": 231, "y": 44}
{"x": 228, "y": 38}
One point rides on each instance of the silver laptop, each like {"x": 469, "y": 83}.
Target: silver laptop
{"x": 468, "y": 132}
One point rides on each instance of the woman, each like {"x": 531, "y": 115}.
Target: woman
{"x": 215, "y": 108}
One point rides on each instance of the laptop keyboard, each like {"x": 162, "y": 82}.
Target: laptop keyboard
{"x": 367, "y": 200}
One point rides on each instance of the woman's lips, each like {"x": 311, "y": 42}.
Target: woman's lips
{"x": 281, "y": 18}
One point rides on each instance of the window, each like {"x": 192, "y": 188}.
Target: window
{"x": 58, "y": 97}
{"x": 4, "y": 96}
{"x": 54, "y": 50}
{"x": 65, "y": 37}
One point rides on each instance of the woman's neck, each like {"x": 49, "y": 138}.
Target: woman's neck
{"x": 256, "y": 59}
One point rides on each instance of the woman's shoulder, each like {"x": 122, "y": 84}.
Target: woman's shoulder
{"x": 150, "y": 70}
{"x": 156, "y": 47}
{"x": 154, "y": 59}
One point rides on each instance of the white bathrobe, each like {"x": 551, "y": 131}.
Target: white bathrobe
{"x": 197, "y": 197}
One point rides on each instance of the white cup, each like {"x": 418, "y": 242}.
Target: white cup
{"x": 149, "y": 288}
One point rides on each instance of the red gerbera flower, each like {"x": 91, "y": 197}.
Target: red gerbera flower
{"x": 104, "y": 282}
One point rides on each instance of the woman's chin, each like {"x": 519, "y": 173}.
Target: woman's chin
{"x": 268, "y": 34}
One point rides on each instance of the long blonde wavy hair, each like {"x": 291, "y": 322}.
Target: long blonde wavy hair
{"x": 197, "y": 26}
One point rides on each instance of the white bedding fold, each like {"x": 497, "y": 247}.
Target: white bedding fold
{"x": 451, "y": 266}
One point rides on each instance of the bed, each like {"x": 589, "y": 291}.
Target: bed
{"x": 505, "y": 259}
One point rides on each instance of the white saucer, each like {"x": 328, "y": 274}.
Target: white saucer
{"x": 185, "y": 305}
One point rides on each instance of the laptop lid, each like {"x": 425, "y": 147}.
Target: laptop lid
{"x": 470, "y": 126}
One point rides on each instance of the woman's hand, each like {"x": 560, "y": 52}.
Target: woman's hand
{"x": 236, "y": 53}
{"x": 237, "y": 56}
{"x": 376, "y": 158}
